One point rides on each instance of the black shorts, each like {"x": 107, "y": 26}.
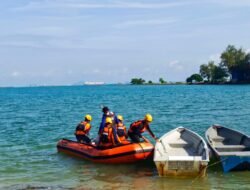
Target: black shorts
{"x": 134, "y": 137}
{"x": 83, "y": 138}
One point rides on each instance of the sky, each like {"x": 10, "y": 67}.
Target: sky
{"x": 64, "y": 42}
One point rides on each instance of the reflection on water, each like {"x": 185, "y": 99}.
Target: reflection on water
{"x": 144, "y": 176}
{"x": 139, "y": 176}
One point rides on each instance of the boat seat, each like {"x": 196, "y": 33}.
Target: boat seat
{"x": 184, "y": 158}
{"x": 218, "y": 139}
{"x": 180, "y": 144}
{"x": 242, "y": 153}
{"x": 230, "y": 148}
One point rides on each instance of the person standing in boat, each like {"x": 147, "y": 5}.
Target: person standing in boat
{"x": 82, "y": 130}
{"x": 121, "y": 129}
{"x": 108, "y": 136}
{"x": 138, "y": 127}
{"x": 107, "y": 113}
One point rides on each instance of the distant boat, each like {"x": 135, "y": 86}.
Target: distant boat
{"x": 94, "y": 83}
{"x": 230, "y": 146}
{"x": 181, "y": 152}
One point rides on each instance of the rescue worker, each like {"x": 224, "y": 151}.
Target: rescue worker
{"x": 121, "y": 129}
{"x": 138, "y": 127}
{"x": 107, "y": 113}
{"x": 82, "y": 130}
{"x": 108, "y": 136}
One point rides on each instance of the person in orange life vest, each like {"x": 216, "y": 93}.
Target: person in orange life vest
{"x": 121, "y": 129}
{"x": 108, "y": 136}
{"x": 137, "y": 128}
{"x": 82, "y": 130}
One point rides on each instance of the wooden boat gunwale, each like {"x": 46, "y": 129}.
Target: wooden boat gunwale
{"x": 193, "y": 133}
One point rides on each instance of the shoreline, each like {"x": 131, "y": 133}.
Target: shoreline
{"x": 119, "y": 84}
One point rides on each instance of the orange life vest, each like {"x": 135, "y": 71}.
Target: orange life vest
{"x": 138, "y": 125}
{"x": 83, "y": 128}
{"x": 121, "y": 131}
{"x": 107, "y": 136}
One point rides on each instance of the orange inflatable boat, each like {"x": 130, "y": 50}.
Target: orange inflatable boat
{"x": 127, "y": 153}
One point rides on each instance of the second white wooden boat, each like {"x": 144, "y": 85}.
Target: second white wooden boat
{"x": 230, "y": 146}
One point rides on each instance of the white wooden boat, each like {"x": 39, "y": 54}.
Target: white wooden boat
{"x": 181, "y": 152}
{"x": 230, "y": 146}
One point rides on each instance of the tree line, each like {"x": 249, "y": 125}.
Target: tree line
{"x": 140, "y": 81}
{"x": 234, "y": 67}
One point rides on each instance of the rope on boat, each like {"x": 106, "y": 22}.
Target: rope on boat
{"x": 142, "y": 150}
{"x": 215, "y": 163}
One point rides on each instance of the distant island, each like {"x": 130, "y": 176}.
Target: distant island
{"x": 93, "y": 83}
{"x": 233, "y": 68}
{"x": 140, "y": 81}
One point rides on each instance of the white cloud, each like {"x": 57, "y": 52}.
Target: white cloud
{"x": 22, "y": 43}
{"x": 74, "y": 4}
{"x": 125, "y": 70}
{"x": 173, "y": 63}
{"x": 132, "y": 5}
{"x": 231, "y": 3}
{"x": 248, "y": 50}
{"x": 15, "y": 74}
{"x": 69, "y": 72}
{"x": 215, "y": 57}
{"x": 153, "y": 22}
{"x": 179, "y": 67}
{"x": 96, "y": 71}
{"x": 32, "y": 6}
{"x": 52, "y": 31}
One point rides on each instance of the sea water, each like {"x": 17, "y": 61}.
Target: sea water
{"x": 32, "y": 120}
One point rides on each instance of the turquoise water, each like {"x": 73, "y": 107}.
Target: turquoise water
{"x": 32, "y": 120}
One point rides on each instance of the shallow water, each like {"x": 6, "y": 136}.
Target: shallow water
{"x": 32, "y": 120}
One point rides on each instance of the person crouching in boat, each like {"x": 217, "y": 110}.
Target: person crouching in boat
{"x": 108, "y": 136}
{"x": 138, "y": 127}
{"x": 82, "y": 130}
{"x": 121, "y": 129}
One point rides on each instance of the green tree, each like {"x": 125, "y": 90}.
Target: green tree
{"x": 237, "y": 62}
{"x": 162, "y": 81}
{"x": 137, "y": 81}
{"x": 197, "y": 77}
{"x": 233, "y": 58}
{"x": 189, "y": 80}
{"x": 246, "y": 68}
{"x": 194, "y": 78}
{"x": 206, "y": 71}
{"x": 219, "y": 74}
{"x": 150, "y": 82}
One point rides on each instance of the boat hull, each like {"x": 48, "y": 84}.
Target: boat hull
{"x": 129, "y": 153}
{"x": 181, "y": 168}
{"x": 235, "y": 163}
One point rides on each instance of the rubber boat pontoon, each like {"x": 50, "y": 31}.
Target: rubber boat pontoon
{"x": 127, "y": 153}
